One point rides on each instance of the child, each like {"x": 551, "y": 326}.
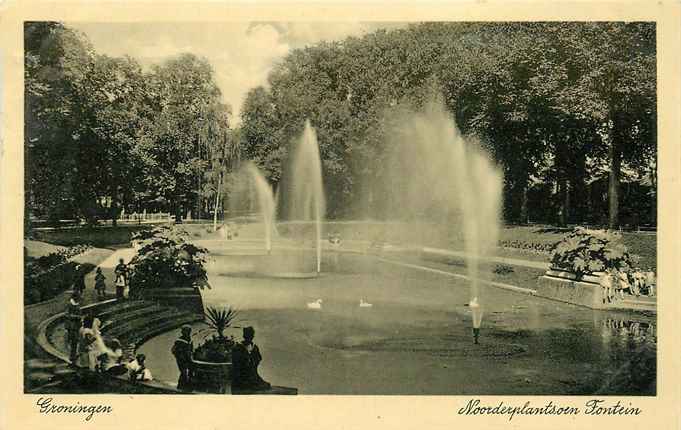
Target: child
{"x": 138, "y": 370}
{"x": 111, "y": 360}
{"x": 100, "y": 285}
{"x": 606, "y": 284}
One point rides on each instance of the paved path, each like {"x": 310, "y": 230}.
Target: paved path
{"x": 460, "y": 276}
{"x": 502, "y": 260}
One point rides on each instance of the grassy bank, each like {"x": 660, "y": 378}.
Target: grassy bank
{"x": 526, "y": 242}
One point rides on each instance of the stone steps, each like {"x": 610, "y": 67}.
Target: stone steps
{"x": 128, "y": 328}
{"x": 122, "y": 308}
{"x": 131, "y": 322}
{"x": 117, "y": 320}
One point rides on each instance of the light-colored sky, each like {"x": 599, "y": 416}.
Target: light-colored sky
{"x": 242, "y": 54}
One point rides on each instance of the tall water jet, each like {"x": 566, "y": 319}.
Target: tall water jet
{"x": 306, "y": 201}
{"x": 437, "y": 175}
{"x": 266, "y": 204}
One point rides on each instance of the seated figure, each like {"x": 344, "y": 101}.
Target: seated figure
{"x": 110, "y": 361}
{"x": 138, "y": 370}
{"x": 245, "y": 360}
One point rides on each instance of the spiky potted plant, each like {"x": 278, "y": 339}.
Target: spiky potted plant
{"x": 213, "y": 357}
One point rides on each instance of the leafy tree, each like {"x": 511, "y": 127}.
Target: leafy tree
{"x": 184, "y": 94}
{"x": 56, "y": 61}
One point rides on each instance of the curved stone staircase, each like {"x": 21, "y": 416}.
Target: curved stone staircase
{"x": 131, "y": 322}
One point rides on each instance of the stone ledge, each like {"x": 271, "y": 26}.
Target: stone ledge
{"x": 564, "y": 286}
{"x": 579, "y": 293}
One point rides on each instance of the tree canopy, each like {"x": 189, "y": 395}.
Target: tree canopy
{"x": 104, "y": 135}
{"x": 550, "y": 101}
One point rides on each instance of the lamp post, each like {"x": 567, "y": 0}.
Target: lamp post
{"x": 476, "y": 312}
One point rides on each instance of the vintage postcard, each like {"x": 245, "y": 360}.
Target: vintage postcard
{"x": 340, "y": 215}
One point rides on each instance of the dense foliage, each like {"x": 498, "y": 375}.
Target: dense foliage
{"x": 103, "y": 135}
{"x": 49, "y": 275}
{"x": 166, "y": 260}
{"x": 585, "y": 252}
{"x": 563, "y": 107}
{"x": 588, "y": 251}
{"x": 568, "y": 109}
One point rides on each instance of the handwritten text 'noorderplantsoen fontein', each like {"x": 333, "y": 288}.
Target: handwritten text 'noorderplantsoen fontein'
{"x": 593, "y": 407}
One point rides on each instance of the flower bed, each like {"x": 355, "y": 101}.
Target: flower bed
{"x": 525, "y": 246}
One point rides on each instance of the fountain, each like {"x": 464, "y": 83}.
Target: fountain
{"x": 306, "y": 200}
{"x": 266, "y": 203}
{"x": 436, "y": 174}
{"x": 250, "y": 193}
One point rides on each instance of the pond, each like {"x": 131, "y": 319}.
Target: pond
{"x": 416, "y": 337}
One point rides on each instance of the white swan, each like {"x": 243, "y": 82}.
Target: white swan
{"x": 363, "y": 304}
{"x": 317, "y": 304}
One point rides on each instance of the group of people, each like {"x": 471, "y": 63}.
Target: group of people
{"x": 245, "y": 360}
{"x": 121, "y": 272}
{"x": 89, "y": 349}
{"x": 616, "y": 283}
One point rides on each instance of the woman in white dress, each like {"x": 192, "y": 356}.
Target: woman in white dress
{"x": 91, "y": 343}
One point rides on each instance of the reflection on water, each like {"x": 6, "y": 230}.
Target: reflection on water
{"x": 628, "y": 331}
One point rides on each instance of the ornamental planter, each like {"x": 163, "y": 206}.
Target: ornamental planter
{"x": 564, "y": 286}
{"x": 212, "y": 377}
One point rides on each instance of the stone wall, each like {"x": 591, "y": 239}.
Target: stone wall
{"x": 185, "y": 299}
{"x": 564, "y": 287}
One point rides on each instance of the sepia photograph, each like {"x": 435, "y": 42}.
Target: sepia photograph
{"x": 351, "y": 208}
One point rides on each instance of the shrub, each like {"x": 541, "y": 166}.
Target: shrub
{"x": 49, "y": 275}
{"x": 217, "y": 349}
{"x": 584, "y": 252}
{"x": 503, "y": 269}
{"x": 166, "y": 260}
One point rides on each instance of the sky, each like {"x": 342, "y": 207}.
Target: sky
{"x": 242, "y": 54}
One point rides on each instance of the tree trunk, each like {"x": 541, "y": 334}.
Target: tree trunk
{"x": 114, "y": 207}
{"x": 217, "y": 202}
{"x": 653, "y": 197}
{"x": 178, "y": 210}
{"x": 615, "y": 158}
{"x": 524, "y": 216}
{"x": 562, "y": 207}
{"x": 566, "y": 203}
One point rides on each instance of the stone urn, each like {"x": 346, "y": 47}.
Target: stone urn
{"x": 212, "y": 377}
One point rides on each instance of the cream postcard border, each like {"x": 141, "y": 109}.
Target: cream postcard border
{"x": 18, "y": 410}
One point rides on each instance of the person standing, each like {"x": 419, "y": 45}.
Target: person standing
{"x": 121, "y": 272}
{"x": 245, "y": 360}
{"x": 87, "y": 346}
{"x": 183, "y": 350}
{"x": 100, "y": 285}
{"x": 73, "y": 325}
{"x": 79, "y": 285}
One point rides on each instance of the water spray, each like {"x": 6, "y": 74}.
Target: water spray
{"x": 476, "y": 312}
